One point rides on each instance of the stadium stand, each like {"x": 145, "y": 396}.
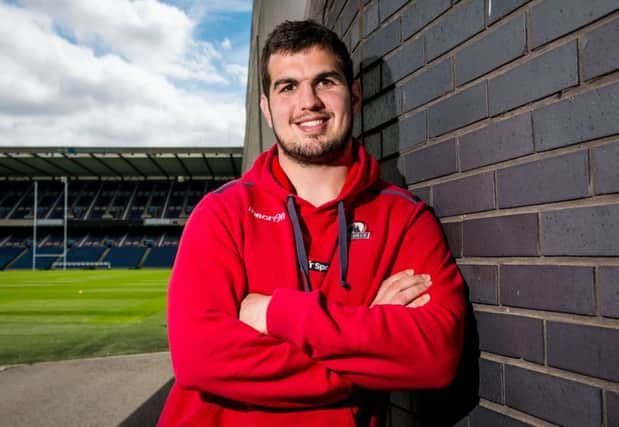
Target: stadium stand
{"x": 125, "y": 206}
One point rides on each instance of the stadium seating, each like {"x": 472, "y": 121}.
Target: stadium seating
{"x": 43, "y": 263}
{"x": 160, "y": 257}
{"x": 125, "y": 256}
{"x": 107, "y": 221}
{"x": 7, "y": 254}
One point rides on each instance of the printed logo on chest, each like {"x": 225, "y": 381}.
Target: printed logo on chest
{"x": 321, "y": 267}
{"x": 278, "y": 217}
{"x": 358, "y": 230}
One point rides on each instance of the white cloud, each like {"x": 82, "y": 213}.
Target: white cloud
{"x": 226, "y": 44}
{"x": 119, "y": 75}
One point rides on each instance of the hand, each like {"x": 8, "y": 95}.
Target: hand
{"x": 404, "y": 288}
{"x": 253, "y": 311}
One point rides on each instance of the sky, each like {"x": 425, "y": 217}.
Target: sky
{"x": 142, "y": 73}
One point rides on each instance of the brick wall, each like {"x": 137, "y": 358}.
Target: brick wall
{"x": 504, "y": 116}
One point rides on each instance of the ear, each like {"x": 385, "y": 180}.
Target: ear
{"x": 355, "y": 91}
{"x": 266, "y": 111}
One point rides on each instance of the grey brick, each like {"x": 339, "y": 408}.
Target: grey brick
{"x": 496, "y": 142}
{"x": 535, "y": 79}
{"x": 399, "y": 417}
{"x": 612, "y": 408}
{"x": 381, "y": 42}
{"x": 357, "y": 125}
{"x": 588, "y": 116}
{"x": 428, "y": 85}
{"x": 431, "y": 162}
{"x": 500, "y": 46}
{"x": 453, "y": 234}
{"x": 391, "y": 136}
{"x": 346, "y": 17}
{"x": 482, "y": 281}
{"x": 421, "y": 13}
{"x": 412, "y": 130}
{"x": 509, "y": 335}
{"x": 391, "y": 173}
{"x": 554, "y": 288}
{"x": 554, "y": 399}
{"x": 512, "y": 235}
{"x": 380, "y": 110}
{"x": 491, "y": 381}
{"x": 503, "y": 7}
{"x": 372, "y": 144}
{"x": 389, "y": 7}
{"x": 424, "y": 194}
{"x": 550, "y": 180}
{"x": 482, "y": 417}
{"x": 355, "y": 34}
{"x": 403, "y": 61}
{"x": 465, "y": 195}
{"x": 458, "y": 110}
{"x": 604, "y": 166}
{"x": 466, "y": 20}
{"x": 585, "y": 349}
{"x": 356, "y": 62}
{"x": 553, "y": 18}
{"x": 608, "y": 282}
{"x": 370, "y": 81}
{"x": 401, "y": 399}
{"x": 600, "y": 54}
{"x": 370, "y": 19}
{"x": 591, "y": 231}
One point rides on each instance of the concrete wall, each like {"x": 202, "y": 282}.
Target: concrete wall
{"x": 504, "y": 116}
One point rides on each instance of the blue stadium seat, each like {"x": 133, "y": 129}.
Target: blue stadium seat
{"x": 86, "y": 254}
{"x": 7, "y": 255}
{"x": 161, "y": 257}
{"x": 25, "y": 261}
{"x": 125, "y": 257}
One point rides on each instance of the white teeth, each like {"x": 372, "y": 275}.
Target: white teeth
{"x": 312, "y": 123}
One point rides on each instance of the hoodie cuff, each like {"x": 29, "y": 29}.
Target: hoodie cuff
{"x": 286, "y": 313}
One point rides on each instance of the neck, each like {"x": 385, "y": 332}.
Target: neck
{"x": 317, "y": 183}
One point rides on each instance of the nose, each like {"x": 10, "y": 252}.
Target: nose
{"x": 308, "y": 98}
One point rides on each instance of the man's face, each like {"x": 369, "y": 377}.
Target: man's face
{"x": 310, "y": 106}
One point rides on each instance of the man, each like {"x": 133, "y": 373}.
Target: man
{"x": 307, "y": 289}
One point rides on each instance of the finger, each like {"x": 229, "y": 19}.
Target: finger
{"x": 407, "y": 282}
{"x": 400, "y": 275}
{"x": 409, "y": 294}
{"x": 388, "y": 284}
{"x": 422, "y": 300}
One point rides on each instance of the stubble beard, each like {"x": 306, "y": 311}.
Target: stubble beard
{"x": 321, "y": 153}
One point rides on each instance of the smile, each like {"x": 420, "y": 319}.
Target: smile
{"x": 313, "y": 125}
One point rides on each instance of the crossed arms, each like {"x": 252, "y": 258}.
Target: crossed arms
{"x": 315, "y": 351}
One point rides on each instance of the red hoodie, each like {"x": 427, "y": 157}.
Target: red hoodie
{"x": 328, "y": 358}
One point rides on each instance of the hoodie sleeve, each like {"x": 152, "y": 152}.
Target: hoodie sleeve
{"x": 212, "y": 350}
{"x": 385, "y": 347}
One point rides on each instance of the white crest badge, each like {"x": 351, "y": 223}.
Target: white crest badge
{"x": 358, "y": 230}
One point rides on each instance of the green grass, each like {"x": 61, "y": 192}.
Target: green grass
{"x": 56, "y": 315}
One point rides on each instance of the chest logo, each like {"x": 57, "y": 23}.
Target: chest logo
{"x": 278, "y": 217}
{"x": 321, "y": 267}
{"x": 358, "y": 231}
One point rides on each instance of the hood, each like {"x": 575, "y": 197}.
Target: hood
{"x": 267, "y": 175}
{"x": 363, "y": 173}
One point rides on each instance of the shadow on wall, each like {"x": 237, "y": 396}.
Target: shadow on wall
{"x": 384, "y": 137}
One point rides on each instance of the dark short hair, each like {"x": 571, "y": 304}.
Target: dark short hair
{"x": 297, "y": 36}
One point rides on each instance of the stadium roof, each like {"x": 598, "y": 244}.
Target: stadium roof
{"x": 117, "y": 162}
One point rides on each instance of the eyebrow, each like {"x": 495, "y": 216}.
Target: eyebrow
{"x": 324, "y": 75}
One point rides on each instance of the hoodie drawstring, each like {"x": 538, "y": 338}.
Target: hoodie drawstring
{"x": 342, "y": 241}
